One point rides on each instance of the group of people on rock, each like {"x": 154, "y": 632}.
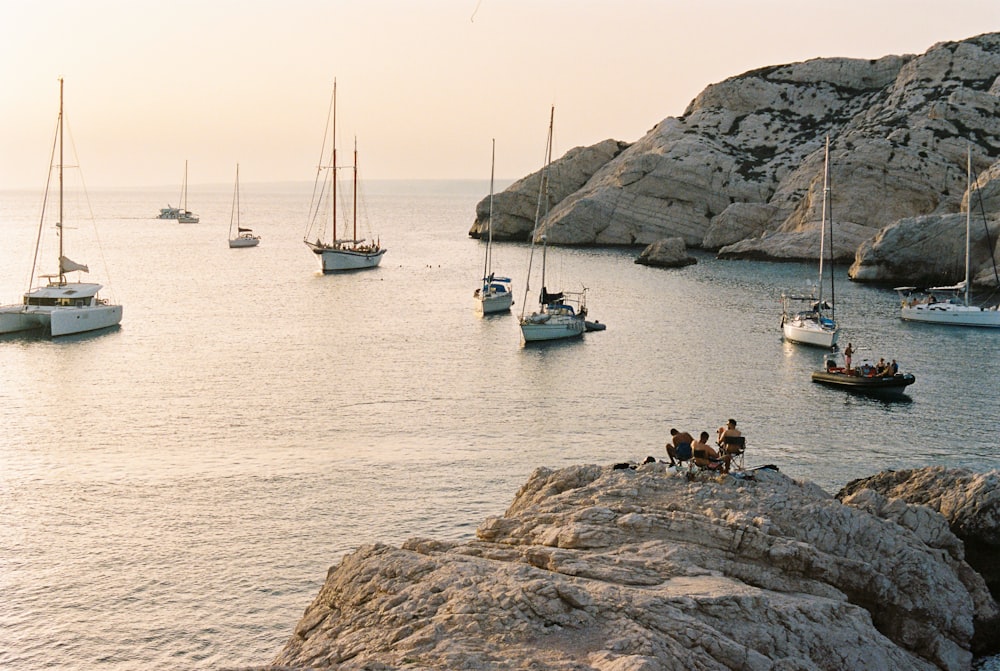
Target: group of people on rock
{"x": 881, "y": 369}
{"x": 683, "y": 447}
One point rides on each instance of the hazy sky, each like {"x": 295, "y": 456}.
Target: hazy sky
{"x": 423, "y": 84}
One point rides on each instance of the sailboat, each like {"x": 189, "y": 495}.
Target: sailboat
{"x": 60, "y": 307}
{"x": 810, "y": 325}
{"x": 244, "y": 236}
{"x": 956, "y": 309}
{"x": 560, "y": 314}
{"x": 184, "y": 215}
{"x": 494, "y": 295}
{"x": 339, "y": 254}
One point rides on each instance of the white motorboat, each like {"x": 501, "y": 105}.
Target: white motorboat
{"x": 923, "y": 305}
{"x": 244, "y": 236}
{"x": 494, "y": 295}
{"x": 561, "y": 314}
{"x": 337, "y": 254}
{"x": 809, "y": 324}
{"x": 61, "y": 307}
{"x": 169, "y": 212}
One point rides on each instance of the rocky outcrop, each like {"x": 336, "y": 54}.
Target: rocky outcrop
{"x": 741, "y": 171}
{"x": 666, "y": 253}
{"x": 514, "y": 208}
{"x": 926, "y": 251}
{"x": 642, "y": 569}
{"x": 969, "y": 501}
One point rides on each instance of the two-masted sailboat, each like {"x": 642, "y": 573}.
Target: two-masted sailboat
{"x": 60, "y": 307}
{"x": 338, "y": 254}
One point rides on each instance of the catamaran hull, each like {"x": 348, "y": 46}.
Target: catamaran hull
{"x": 882, "y": 387}
{"x": 60, "y": 321}
{"x": 493, "y": 303}
{"x": 554, "y": 328}
{"x": 67, "y": 321}
{"x": 336, "y": 260}
{"x": 807, "y": 335}
{"x": 14, "y": 319}
{"x": 950, "y": 314}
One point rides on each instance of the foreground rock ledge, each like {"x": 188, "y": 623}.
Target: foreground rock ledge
{"x": 597, "y": 568}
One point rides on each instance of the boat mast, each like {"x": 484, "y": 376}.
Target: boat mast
{"x": 237, "y": 201}
{"x": 968, "y": 217}
{"x": 62, "y": 276}
{"x": 487, "y": 264}
{"x": 822, "y": 230}
{"x": 333, "y": 167}
{"x": 354, "y": 195}
{"x": 544, "y": 192}
{"x": 828, "y": 197}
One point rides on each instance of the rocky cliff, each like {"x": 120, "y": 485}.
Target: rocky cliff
{"x": 642, "y": 569}
{"x": 741, "y": 171}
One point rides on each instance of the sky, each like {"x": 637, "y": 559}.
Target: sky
{"x": 423, "y": 85}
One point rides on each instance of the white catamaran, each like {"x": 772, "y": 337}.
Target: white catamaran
{"x": 955, "y": 310}
{"x": 338, "y": 254}
{"x": 560, "y": 314}
{"x": 810, "y": 324}
{"x": 60, "y": 307}
{"x": 494, "y": 294}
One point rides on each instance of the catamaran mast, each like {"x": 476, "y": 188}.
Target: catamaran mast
{"x": 62, "y": 276}
{"x": 354, "y": 195}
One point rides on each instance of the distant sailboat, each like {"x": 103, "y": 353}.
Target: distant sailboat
{"x": 184, "y": 215}
{"x": 60, "y": 307}
{"x": 244, "y": 237}
{"x": 812, "y": 325}
{"x": 338, "y": 254}
{"x": 494, "y": 294}
{"x": 956, "y": 310}
{"x": 561, "y": 314}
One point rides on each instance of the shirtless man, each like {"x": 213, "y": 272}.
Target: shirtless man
{"x": 729, "y": 430}
{"x": 680, "y": 444}
{"x": 705, "y": 455}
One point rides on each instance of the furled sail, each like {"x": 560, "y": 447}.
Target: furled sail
{"x": 67, "y": 265}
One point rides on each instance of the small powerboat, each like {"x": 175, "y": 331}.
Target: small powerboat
{"x": 864, "y": 379}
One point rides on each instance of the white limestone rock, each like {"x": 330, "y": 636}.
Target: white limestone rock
{"x": 514, "y": 208}
{"x": 666, "y": 253}
{"x": 925, "y": 251}
{"x": 596, "y": 568}
{"x": 746, "y": 157}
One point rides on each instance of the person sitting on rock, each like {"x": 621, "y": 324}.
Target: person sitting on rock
{"x": 728, "y": 450}
{"x": 705, "y": 456}
{"x": 679, "y": 447}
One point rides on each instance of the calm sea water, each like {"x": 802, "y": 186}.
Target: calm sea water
{"x": 173, "y": 492}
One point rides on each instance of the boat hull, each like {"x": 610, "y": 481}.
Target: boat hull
{"x": 883, "y": 387}
{"x": 810, "y": 334}
{"x": 491, "y": 303}
{"x": 556, "y": 327}
{"x": 951, "y": 315}
{"x": 15, "y": 318}
{"x": 335, "y": 260}
{"x": 235, "y": 243}
{"x": 67, "y": 321}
